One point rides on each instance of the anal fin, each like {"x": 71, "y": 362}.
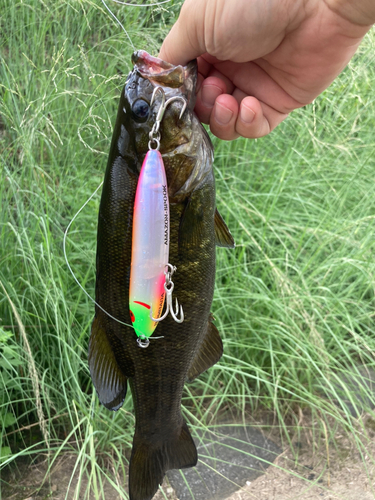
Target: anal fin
{"x": 182, "y": 452}
{"x": 209, "y": 352}
{"x": 108, "y": 379}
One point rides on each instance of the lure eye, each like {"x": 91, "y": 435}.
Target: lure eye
{"x": 140, "y": 110}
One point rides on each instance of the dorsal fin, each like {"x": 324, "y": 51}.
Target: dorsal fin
{"x": 209, "y": 352}
{"x": 223, "y": 236}
{"x": 107, "y": 377}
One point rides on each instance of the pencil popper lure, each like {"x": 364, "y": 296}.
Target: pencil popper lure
{"x": 150, "y": 272}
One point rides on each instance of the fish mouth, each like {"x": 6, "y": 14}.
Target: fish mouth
{"x": 163, "y": 73}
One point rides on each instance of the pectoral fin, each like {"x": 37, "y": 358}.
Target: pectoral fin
{"x": 223, "y": 236}
{"x": 106, "y": 375}
{"x": 209, "y": 352}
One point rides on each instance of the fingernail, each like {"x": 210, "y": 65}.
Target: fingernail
{"x": 209, "y": 94}
{"x": 246, "y": 114}
{"x": 222, "y": 114}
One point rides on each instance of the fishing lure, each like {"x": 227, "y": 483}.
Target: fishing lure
{"x": 150, "y": 272}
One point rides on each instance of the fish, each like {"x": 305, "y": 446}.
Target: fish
{"x": 177, "y": 353}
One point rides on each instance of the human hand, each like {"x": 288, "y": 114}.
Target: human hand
{"x": 260, "y": 60}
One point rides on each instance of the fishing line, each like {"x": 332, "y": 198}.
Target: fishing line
{"x": 141, "y": 5}
{"x": 130, "y": 5}
{"x": 69, "y": 266}
{"x": 72, "y": 272}
{"x": 100, "y": 185}
{"x": 112, "y": 14}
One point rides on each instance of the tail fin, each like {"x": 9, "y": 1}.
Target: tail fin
{"x": 150, "y": 461}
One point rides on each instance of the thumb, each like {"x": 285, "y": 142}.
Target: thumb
{"x": 185, "y": 41}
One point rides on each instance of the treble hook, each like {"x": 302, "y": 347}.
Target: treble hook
{"x": 168, "y": 287}
{"x": 154, "y": 132}
{"x": 164, "y": 104}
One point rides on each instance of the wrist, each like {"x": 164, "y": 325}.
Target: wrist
{"x": 359, "y": 12}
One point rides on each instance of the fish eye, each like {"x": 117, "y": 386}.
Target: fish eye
{"x": 140, "y": 110}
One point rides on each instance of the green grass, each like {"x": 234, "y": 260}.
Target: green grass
{"x": 294, "y": 301}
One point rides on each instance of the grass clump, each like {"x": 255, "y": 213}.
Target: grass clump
{"x": 294, "y": 301}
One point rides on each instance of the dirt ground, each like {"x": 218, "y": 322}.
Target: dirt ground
{"x": 312, "y": 479}
{"x": 320, "y": 472}
{"x": 335, "y": 472}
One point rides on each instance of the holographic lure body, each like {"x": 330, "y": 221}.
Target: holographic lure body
{"x": 150, "y": 247}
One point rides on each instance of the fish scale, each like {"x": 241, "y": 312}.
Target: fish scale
{"x": 176, "y": 352}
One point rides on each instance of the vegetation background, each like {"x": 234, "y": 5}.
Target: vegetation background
{"x": 294, "y": 302}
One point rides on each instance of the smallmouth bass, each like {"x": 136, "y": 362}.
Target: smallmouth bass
{"x": 156, "y": 375}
